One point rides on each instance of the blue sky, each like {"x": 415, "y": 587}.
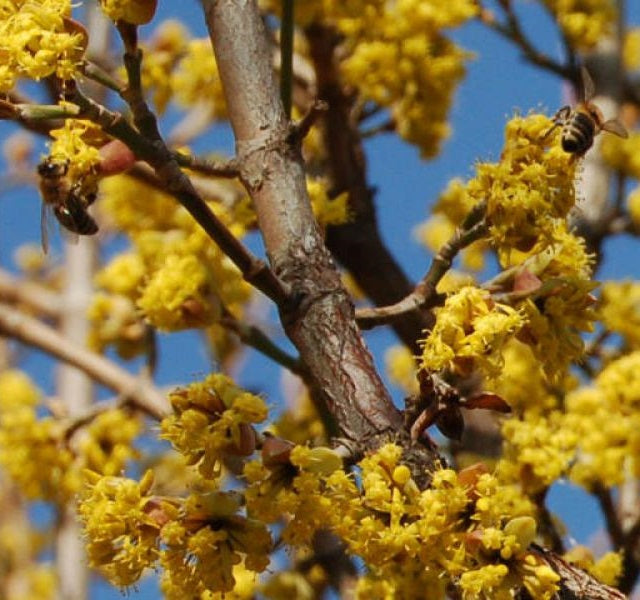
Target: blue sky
{"x": 499, "y": 83}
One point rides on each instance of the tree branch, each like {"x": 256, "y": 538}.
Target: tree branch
{"x": 32, "y": 332}
{"x": 424, "y": 296}
{"x": 320, "y": 322}
{"x": 179, "y": 185}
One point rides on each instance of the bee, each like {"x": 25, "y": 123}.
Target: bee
{"x": 67, "y": 200}
{"x": 582, "y": 123}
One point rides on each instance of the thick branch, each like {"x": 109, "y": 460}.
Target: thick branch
{"x": 320, "y": 322}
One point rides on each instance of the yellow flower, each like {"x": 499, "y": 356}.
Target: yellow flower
{"x": 195, "y": 79}
{"x": 179, "y": 295}
{"x": 328, "y": 211}
{"x": 631, "y": 49}
{"x": 402, "y": 368}
{"x": 622, "y": 154}
{"x": 137, "y": 12}
{"x": 620, "y": 310}
{"x": 470, "y": 332}
{"x": 633, "y": 203}
{"x": 107, "y": 445}
{"x": 212, "y": 419}
{"x": 584, "y": 23}
{"x": 39, "y": 40}
{"x": 122, "y": 533}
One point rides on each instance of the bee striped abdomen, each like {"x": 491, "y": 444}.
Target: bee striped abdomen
{"x": 578, "y": 134}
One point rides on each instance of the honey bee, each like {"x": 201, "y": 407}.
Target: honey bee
{"x": 66, "y": 199}
{"x": 582, "y": 123}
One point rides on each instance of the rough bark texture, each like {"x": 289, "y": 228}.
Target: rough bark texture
{"x": 319, "y": 317}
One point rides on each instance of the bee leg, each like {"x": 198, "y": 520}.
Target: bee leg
{"x": 558, "y": 120}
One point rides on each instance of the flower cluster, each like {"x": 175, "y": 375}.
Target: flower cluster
{"x": 106, "y": 445}
{"x": 41, "y": 453}
{"x": 213, "y": 419}
{"x": 206, "y": 541}
{"x": 174, "y": 277}
{"x": 398, "y": 56}
{"x": 328, "y": 211}
{"x": 584, "y": 22}
{"x": 606, "y": 417}
{"x": 591, "y": 437}
{"x": 526, "y": 193}
{"x": 529, "y": 189}
{"x": 623, "y": 154}
{"x": 137, "y": 12}
{"x": 402, "y": 369}
{"x": 467, "y": 527}
{"x": 75, "y": 145}
{"x": 121, "y": 523}
{"x": 183, "y": 69}
{"x": 619, "y": 310}
{"x": 470, "y": 333}
{"x": 33, "y": 451}
{"x": 39, "y": 39}
{"x": 560, "y": 305}
{"x": 196, "y": 540}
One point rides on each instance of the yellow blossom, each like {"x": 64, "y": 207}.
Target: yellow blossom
{"x": 620, "y": 310}
{"x": 122, "y": 533}
{"x": 402, "y": 369}
{"x": 470, "y": 332}
{"x": 541, "y": 446}
{"x": 137, "y": 12}
{"x": 631, "y": 49}
{"x": 211, "y": 419}
{"x": 33, "y": 451}
{"x": 583, "y": 22}
{"x": 195, "y": 79}
{"x": 633, "y": 203}
{"x": 107, "y": 445}
{"x": 179, "y": 295}
{"x": 161, "y": 54}
{"x": 328, "y": 211}
{"x": 115, "y": 320}
{"x": 39, "y": 40}
{"x": 623, "y": 154}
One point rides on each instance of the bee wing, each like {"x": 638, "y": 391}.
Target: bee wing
{"x": 614, "y": 126}
{"x": 45, "y": 225}
{"x": 587, "y": 84}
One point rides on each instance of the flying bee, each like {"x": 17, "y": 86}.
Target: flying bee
{"x": 582, "y": 123}
{"x": 68, "y": 200}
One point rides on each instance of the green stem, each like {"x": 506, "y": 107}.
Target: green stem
{"x": 286, "y": 55}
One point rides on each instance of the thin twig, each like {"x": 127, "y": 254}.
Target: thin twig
{"x": 92, "y": 71}
{"x": 257, "y": 339}
{"x": 300, "y": 129}
{"x": 228, "y": 169}
{"x": 512, "y": 31}
{"x": 159, "y": 157}
{"x": 384, "y": 127}
{"x": 34, "y": 295}
{"x": 424, "y": 295}
{"x": 32, "y": 332}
